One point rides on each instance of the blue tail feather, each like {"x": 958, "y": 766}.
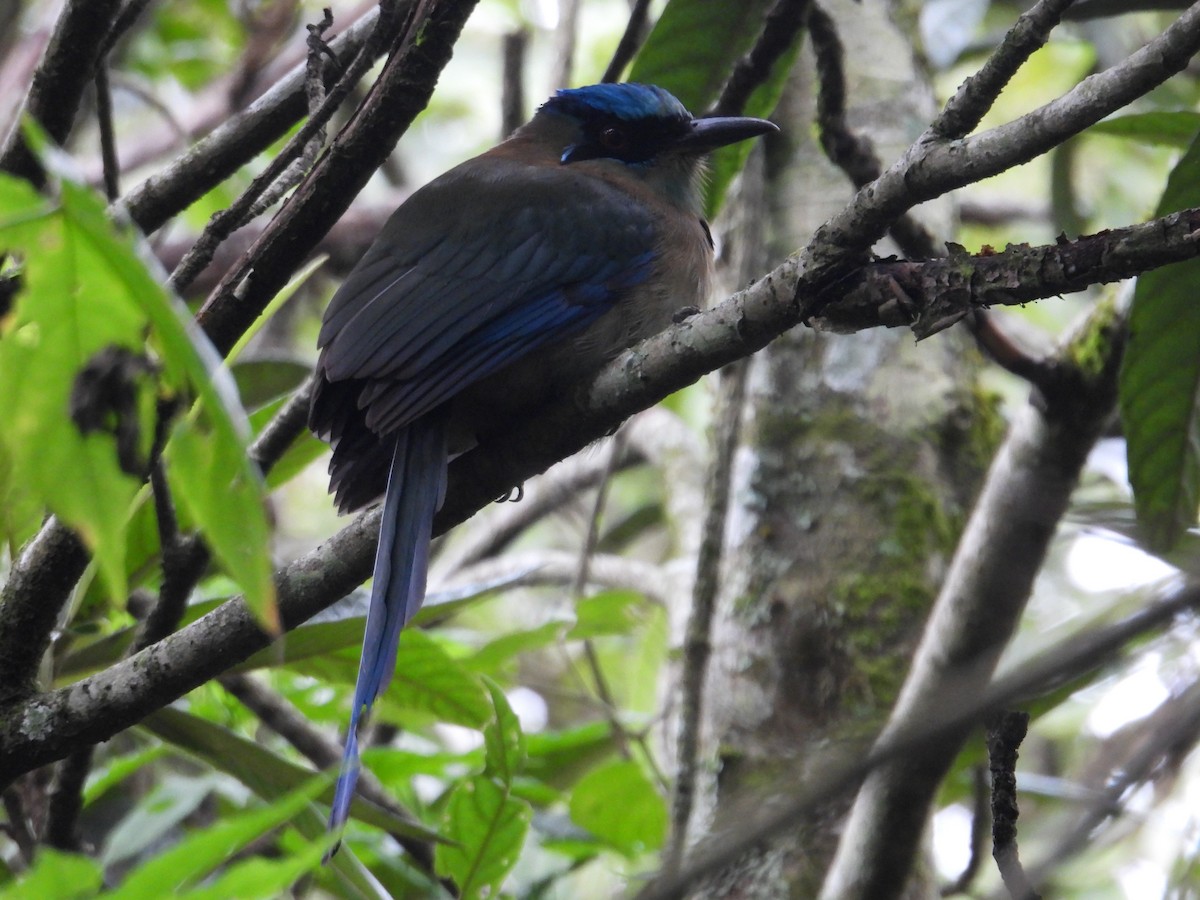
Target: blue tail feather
{"x": 415, "y": 491}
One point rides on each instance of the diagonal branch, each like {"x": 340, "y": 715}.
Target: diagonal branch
{"x": 234, "y": 142}
{"x": 66, "y": 69}
{"x": 1001, "y": 551}
{"x": 932, "y": 167}
{"x": 402, "y": 90}
{"x": 931, "y": 295}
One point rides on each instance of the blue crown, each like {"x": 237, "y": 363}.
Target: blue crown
{"x": 628, "y": 102}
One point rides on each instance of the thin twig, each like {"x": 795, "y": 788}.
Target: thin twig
{"x": 631, "y": 39}
{"x": 64, "y": 73}
{"x": 280, "y": 716}
{"x": 512, "y": 94}
{"x": 980, "y": 830}
{"x": 934, "y": 165}
{"x": 125, "y": 20}
{"x": 599, "y": 681}
{"x": 1171, "y": 732}
{"x": 17, "y": 826}
{"x": 929, "y": 296}
{"x": 398, "y": 95}
{"x": 854, "y": 154}
{"x": 1001, "y": 349}
{"x": 981, "y": 599}
{"x": 697, "y": 642}
{"x": 1005, "y": 732}
{"x": 781, "y": 28}
{"x": 970, "y": 103}
{"x": 314, "y": 92}
{"x": 235, "y": 141}
{"x": 233, "y": 217}
{"x": 64, "y": 802}
{"x": 565, "y": 38}
{"x": 842, "y": 768}
{"x": 285, "y": 426}
{"x": 108, "y": 141}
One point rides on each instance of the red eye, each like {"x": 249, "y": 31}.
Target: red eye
{"x": 614, "y": 138}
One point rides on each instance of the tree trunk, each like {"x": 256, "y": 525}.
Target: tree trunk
{"x": 860, "y": 457}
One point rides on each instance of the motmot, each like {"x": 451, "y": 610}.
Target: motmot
{"x": 493, "y": 287}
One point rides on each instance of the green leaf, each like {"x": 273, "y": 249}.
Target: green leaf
{"x": 691, "y": 51}
{"x": 209, "y": 477}
{"x": 282, "y": 297}
{"x": 1160, "y": 382}
{"x": 261, "y": 878}
{"x": 86, "y": 289}
{"x": 239, "y": 536}
{"x": 107, "y": 775}
{"x": 635, "y": 825}
{"x": 1171, "y": 129}
{"x": 200, "y": 853}
{"x": 489, "y": 826}
{"x": 503, "y": 740}
{"x": 267, "y": 774}
{"x": 262, "y": 381}
{"x": 57, "y": 876}
{"x": 70, "y": 307}
{"x": 560, "y": 757}
{"x": 302, "y": 451}
{"x": 172, "y": 800}
{"x": 493, "y": 655}
{"x": 694, "y": 45}
{"x": 609, "y": 612}
{"x": 428, "y": 679}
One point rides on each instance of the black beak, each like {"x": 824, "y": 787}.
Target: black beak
{"x": 717, "y": 131}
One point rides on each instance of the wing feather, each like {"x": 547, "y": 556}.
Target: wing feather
{"x": 474, "y": 271}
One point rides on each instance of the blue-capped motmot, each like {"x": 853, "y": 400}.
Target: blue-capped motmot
{"x": 512, "y": 275}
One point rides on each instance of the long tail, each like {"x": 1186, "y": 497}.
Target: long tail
{"x": 415, "y": 490}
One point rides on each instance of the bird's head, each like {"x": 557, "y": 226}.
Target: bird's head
{"x": 641, "y": 128}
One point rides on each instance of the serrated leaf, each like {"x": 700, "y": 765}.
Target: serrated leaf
{"x": 1160, "y": 381}
{"x": 426, "y": 678}
{"x": 201, "y": 852}
{"x": 503, "y": 740}
{"x": 489, "y": 827}
{"x": 56, "y": 876}
{"x": 267, "y": 774}
{"x": 86, "y": 288}
{"x": 635, "y": 825}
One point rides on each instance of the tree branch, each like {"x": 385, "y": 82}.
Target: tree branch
{"x": 234, "y": 142}
{"x": 781, "y": 27}
{"x": 1001, "y": 551}
{"x": 932, "y": 166}
{"x": 400, "y": 93}
{"x": 932, "y": 295}
{"x": 62, "y": 76}
{"x": 842, "y": 767}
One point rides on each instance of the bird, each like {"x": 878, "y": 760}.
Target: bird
{"x": 491, "y": 288}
